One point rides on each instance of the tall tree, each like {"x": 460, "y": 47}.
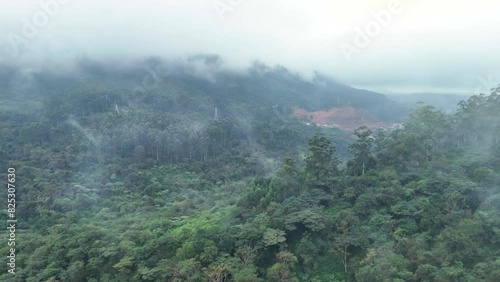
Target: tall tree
{"x": 362, "y": 159}
{"x": 322, "y": 161}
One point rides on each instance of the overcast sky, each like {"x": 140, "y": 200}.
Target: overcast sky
{"x": 383, "y": 45}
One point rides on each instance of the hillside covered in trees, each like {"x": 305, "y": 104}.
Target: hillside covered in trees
{"x": 188, "y": 173}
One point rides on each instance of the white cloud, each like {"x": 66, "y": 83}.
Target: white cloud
{"x": 445, "y": 44}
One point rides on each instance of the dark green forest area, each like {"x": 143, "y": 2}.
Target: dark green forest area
{"x": 175, "y": 184}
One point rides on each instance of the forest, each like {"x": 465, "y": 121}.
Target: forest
{"x": 216, "y": 180}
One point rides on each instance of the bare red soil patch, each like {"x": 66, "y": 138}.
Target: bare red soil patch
{"x": 345, "y": 118}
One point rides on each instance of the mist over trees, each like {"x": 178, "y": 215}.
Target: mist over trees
{"x": 189, "y": 172}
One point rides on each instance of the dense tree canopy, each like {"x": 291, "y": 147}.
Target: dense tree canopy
{"x": 166, "y": 191}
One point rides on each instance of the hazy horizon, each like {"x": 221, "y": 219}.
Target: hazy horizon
{"x": 386, "y": 46}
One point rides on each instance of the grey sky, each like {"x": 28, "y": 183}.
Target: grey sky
{"x": 415, "y": 46}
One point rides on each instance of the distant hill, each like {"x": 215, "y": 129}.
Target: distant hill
{"x": 189, "y": 110}
{"x": 200, "y": 85}
{"x": 445, "y": 102}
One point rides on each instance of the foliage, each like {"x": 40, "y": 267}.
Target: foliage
{"x": 161, "y": 191}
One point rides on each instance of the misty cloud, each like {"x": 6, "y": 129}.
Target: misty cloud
{"x": 85, "y": 132}
{"x": 443, "y": 46}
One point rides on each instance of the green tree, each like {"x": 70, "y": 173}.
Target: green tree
{"x": 282, "y": 270}
{"x": 321, "y": 161}
{"x": 363, "y": 159}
